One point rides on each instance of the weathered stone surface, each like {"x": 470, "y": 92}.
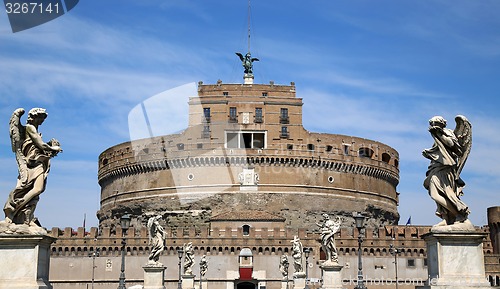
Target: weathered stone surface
{"x": 7, "y": 229}
{"x": 455, "y": 260}
{"x": 25, "y": 262}
{"x": 154, "y": 276}
{"x": 332, "y": 278}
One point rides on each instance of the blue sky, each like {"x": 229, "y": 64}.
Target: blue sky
{"x": 373, "y": 69}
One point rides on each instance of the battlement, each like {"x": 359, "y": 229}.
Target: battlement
{"x": 255, "y": 90}
{"x": 266, "y": 241}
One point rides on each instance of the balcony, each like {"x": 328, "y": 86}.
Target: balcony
{"x": 233, "y": 119}
{"x": 205, "y": 119}
{"x": 284, "y": 119}
{"x": 258, "y": 119}
{"x": 284, "y": 134}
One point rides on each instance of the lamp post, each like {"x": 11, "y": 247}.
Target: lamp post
{"x": 307, "y": 251}
{"x": 125, "y": 224}
{"x": 359, "y": 220}
{"x": 93, "y": 255}
{"x": 180, "y": 252}
{"x": 395, "y": 251}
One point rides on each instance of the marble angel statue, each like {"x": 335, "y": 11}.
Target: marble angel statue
{"x": 328, "y": 230}
{"x": 33, "y": 160}
{"x": 447, "y": 159}
{"x": 156, "y": 239}
{"x": 188, "y": 259}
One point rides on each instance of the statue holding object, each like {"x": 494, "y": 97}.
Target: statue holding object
{"x": 284, "y": 264}
{"x": 448, "y": 156}
{"x": 328, "y": 230}
{"x": 297, "y": 250}
{"x": 188, "y": 259}
{"x": 33, "y": 160}
{"x": 156, "y": 240}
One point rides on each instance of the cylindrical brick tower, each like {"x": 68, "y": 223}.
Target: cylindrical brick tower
{"x": 245, "y": 149}
{"x": 494, "y": 225}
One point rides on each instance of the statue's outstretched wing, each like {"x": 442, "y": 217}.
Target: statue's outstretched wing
{"x": 17, "y": 135}
{"x": 254, "y": 59}
{"x": 240, "y": 56}
{"x": 463, "y": 132}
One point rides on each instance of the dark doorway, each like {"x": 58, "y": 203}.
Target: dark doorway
{"x": 246, "y": 285}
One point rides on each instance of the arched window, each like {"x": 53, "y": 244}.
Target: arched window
{"x": 386, "y": 158}
{"x": 365, "y": 152}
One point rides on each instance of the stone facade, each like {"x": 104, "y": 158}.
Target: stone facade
{"x": 192, "y": 176}
{"x": 246, "y": 177}
{"x": 71, "y": 266}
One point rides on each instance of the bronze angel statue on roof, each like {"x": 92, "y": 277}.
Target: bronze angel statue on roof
{"x": 33, "y": 160}
{"x": 448, "y": 156}
{"x": 247, "y": 62}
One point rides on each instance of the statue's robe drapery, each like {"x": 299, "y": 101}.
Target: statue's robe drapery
{"x": 442, "y": 175}
{"x": 38, "y": 163}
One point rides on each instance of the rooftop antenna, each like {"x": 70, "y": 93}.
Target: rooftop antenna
{"x": 249, "y": 26}
{"x": 247, "y": 60}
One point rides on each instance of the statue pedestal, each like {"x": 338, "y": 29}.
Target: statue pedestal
{"x": 154, "y": 277}
{"x": 248, "y": 79}
{"x": 284, "y": 284}
{"x": 25, "y": 261}
{"x": 455, "y": 260}
{"x": 204, "y": 284}
{"x": 331, "y": 275}
{"x": 299, "y": 280}
{"x": 187, "y": 281}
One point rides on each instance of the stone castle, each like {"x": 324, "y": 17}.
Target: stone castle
{"x": 244, "y": 174}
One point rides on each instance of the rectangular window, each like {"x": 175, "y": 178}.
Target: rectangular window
{"x": 346, "y": 149}
{"x": 284, "y": 115}
{"x": 258, "y": 141}
{"x": 206, "y": 114}
{"x": 410, "y": 263}
{"x": 225, "y": 93}
{"x": 246, "y": 140}
{"x": 258, "y": 115}
{"x": 232, "y": 140}
{"x": 233, "y": 116}
{"x": 284, "y": 132}
{"x": 264, "y": 94}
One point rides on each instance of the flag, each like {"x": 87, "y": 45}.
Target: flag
{"x": 408, "y": 222}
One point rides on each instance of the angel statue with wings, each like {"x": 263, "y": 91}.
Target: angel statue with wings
{"x": 448, "y": 156}
{"x": 188, "y": 259}
{"x": 328, "y": 230}
{"x": 156, "y": 240}
{"x": 247, "y": 62}
{"x": 33, "y": 159}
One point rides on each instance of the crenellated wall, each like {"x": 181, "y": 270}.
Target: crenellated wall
{"x": 230, "y": 240}
{"x": 71, "y": 254}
